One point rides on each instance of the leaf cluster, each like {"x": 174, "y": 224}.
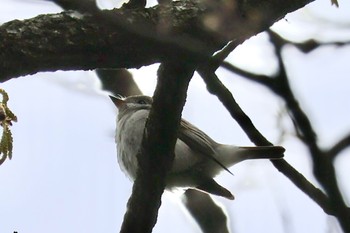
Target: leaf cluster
{"x": 6, "y": 119}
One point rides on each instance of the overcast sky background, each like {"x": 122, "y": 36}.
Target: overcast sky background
{"x": 64, "y": 176}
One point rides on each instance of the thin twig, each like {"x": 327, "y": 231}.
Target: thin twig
{"x": 220, "y": 56}
{"x": 263, "y": 79}
{"x": 323, "y": 167}
{"x": 312, "y": 44}
{"x": 339, "y": 147}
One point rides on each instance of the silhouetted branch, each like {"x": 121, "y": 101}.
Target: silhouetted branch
{"x": 312, "y": 44}
{"x": 323, "y": 167}
{"x": 216, "y": 87}
{"x": 118, "y": 82}
{"x": 224, "y": 95}
{"x": 339, "y": 147}
{"x": 210, "y": 217}
{"x": 78, "y": 5}
{"x": 263, "y": 79}
{"x": 134, "y": 4}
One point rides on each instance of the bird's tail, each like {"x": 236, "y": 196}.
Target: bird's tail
{"x": 261, "y": 152}
{"x": 228, "y": 155}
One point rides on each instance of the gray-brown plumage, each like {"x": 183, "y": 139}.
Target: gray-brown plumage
{"x": 198, "y": 158}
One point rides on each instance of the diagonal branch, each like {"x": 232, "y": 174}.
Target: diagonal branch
{"x": 217, "y": 88}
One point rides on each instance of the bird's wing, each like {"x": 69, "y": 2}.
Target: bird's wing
{"x": 198, "y": 141}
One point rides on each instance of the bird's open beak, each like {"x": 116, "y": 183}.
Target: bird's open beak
{"x": 118, "y": 101}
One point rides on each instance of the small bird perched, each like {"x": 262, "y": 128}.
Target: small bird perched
{"x": 198, "y": 158}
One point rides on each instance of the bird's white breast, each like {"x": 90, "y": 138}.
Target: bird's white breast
{"x": 128, "y": 138}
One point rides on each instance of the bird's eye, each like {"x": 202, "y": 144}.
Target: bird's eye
{"x": 141, "y": 102}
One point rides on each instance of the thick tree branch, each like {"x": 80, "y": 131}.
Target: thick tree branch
{"x": 157, "y": 150}
{"x": 124, "y": 38}
{"x": 120, "y": 38}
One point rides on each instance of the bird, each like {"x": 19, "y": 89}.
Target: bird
{"x": 198, "y": 158}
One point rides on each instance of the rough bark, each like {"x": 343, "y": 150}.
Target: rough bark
{"x": 124, "y": 38}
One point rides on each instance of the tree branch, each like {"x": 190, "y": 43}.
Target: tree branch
{"x": 123, "y": 38}
{"x": 312, "y": 44}
{"x": 210, "y": 216}
{"x": 78, "y": 5}
{"x": 323, "y": 167}
{"x": 157, "y": 151}
{"x": 217, "y": 88}
{"x": 339, "y": 147}
{"x": 118, "y": 82}
{"x": 118, "y": 38}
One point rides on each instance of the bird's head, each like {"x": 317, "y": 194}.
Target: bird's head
{"x": 135, "y": 102}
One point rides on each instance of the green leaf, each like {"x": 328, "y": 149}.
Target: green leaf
{"x": 6, "y": 119}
